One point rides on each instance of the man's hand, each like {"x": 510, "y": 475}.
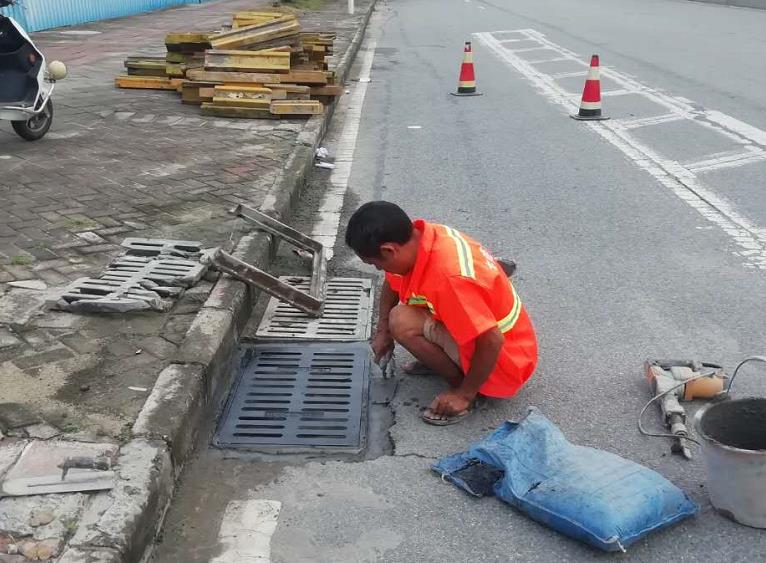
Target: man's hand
{"x": 382, "y": 344}
{"x": 450, "y": 403}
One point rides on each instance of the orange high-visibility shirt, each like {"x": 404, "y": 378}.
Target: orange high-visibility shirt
{"x": 462, "y": 286}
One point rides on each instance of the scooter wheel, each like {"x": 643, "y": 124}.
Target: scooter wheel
{"x": 38, "y": 126}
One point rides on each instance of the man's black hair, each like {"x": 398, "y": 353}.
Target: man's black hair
{"x": 374, "y": 224}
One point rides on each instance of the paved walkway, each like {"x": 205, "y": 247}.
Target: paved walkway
{"x": 116, "y": 164}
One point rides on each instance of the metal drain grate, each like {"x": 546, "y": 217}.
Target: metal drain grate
{"x": 299, "y": 396}
{"x": 157, "y": 246}
{"x": 346, "y": 315}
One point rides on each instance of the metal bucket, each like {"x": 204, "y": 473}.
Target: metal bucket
{"x": 734, "y": 449}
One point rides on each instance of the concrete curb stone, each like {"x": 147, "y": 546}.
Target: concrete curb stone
{"x": 120, "y": 525}
{"x": 125, "y": 519}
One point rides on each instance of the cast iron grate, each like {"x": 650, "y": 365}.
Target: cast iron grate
{"x": 299, "y": 396}
{"x": 346, "y": 316}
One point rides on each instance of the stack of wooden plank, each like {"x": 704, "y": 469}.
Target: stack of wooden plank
{"x": 263, "y": 67}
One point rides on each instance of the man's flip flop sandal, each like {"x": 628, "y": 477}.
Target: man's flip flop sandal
{"x": 430, "y": 418}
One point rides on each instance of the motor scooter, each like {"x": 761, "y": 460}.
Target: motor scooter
{"x": 26, "y": 83}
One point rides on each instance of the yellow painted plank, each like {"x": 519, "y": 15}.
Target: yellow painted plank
{"x": 292, "y": 88}
{"x": 178, "y": 37}
{"x": 312, "y": 77}
{"x": 296, "y": 107}
{"x": 235, "y": 88}
{"x": 145, "y": 82}
{"x": 233, "y": 77}
{"x": 242, "y": 102}
{"x": 148, "y": 64}
{"x": 252, "y": 35}
{"x": 333, "y": 90}
{"x": 236, "y": 60}
{"x": 175, "y": 70}
{"x": 245, "y": 113}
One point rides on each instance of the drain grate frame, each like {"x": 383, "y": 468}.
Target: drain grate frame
{"x": 347, "y": 314}
{"x": 305, "y": 397}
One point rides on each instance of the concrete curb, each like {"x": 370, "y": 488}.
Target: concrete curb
{"x": 119, "y": 526}
{"x": 755, "y": 4}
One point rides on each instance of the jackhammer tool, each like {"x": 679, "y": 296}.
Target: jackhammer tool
{"x": 673, "y": 381}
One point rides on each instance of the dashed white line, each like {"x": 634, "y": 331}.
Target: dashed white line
{"x": 246, "y": 530}
{"x": 682, "y": 180}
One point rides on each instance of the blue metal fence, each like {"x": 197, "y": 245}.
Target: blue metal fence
{"x": 35, "y": 15}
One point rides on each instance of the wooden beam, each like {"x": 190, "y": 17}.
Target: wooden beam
{"x": 145, "y": 82}
{"x": 242, "y": 103}
{"x": 333, "y": 90}
{"x": 289, "y": 91}
{"x": 311, "y": 77}
{"x": 180, "y": 37}
{"x": 245, "y": 113}
{"x": 252, "y": 35}
{"x": 244, "y": 61}
{"x": 296, "y": 107}
{"x": 197, "y": 92}
{"x": 233, "y": 77}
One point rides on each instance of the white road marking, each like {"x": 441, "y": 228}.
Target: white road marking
{"x": 617, "y": 92}
{"x": 727, "y": 160}
{"x": 682, "y": 180}
{"x": 541, "y": 61}
{"x": 325, "y": 229}
{"x": 246, "y": 531}
{"x": 527, "y": 49}
{"x": 414, "y": 127}
{"x": 569, "y": 74}
{"x": 652, "y": 120}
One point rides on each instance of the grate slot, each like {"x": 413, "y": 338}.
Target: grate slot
{"x": 318, "y": 401}
{"x": 346, "y": 316}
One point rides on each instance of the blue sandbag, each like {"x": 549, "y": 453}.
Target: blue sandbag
{"x": 594, "y": 496}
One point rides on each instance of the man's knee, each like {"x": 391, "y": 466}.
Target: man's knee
{"x": 405, "y": 322}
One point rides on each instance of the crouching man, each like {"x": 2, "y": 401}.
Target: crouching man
{"x": 449, "y": 303}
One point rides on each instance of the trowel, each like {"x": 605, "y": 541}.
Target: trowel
{"x": 76, "y": 481}
{"x": 78, "y": 474}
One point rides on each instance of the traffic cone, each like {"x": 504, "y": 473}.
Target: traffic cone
{"x": 590, "y": 106}
{"x": 467, "y": 81}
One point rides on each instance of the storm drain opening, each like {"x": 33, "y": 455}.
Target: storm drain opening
{"x": 293, "y": 397}
{"x": 346, "y": 317}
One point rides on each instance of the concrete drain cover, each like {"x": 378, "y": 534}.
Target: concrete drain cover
{"x": 346, "y": 317}
{"x": 293, "y": 397}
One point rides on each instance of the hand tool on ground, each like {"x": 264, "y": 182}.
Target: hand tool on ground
{"x": 673, "y": 381}
{"x": 385, "y": 361}
{"x": 96, "y": 463}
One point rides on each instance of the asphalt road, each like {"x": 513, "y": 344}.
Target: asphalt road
{"x": 619, "y": 260}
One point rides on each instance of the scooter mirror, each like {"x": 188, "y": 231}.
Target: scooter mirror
{"x": 57, "y": 70}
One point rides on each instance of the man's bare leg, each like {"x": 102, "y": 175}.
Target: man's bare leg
{"x": 407, "y": 325}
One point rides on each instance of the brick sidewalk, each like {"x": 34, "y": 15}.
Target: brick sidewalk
{"x": 120, "y": 163}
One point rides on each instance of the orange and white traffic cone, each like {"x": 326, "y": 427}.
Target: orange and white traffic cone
{"x": 467, "y": 81}
{"x": 590, "y": 106}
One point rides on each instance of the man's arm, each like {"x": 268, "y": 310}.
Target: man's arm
{"x": 382, "y": 342}
{"x": 488, "y": 347}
